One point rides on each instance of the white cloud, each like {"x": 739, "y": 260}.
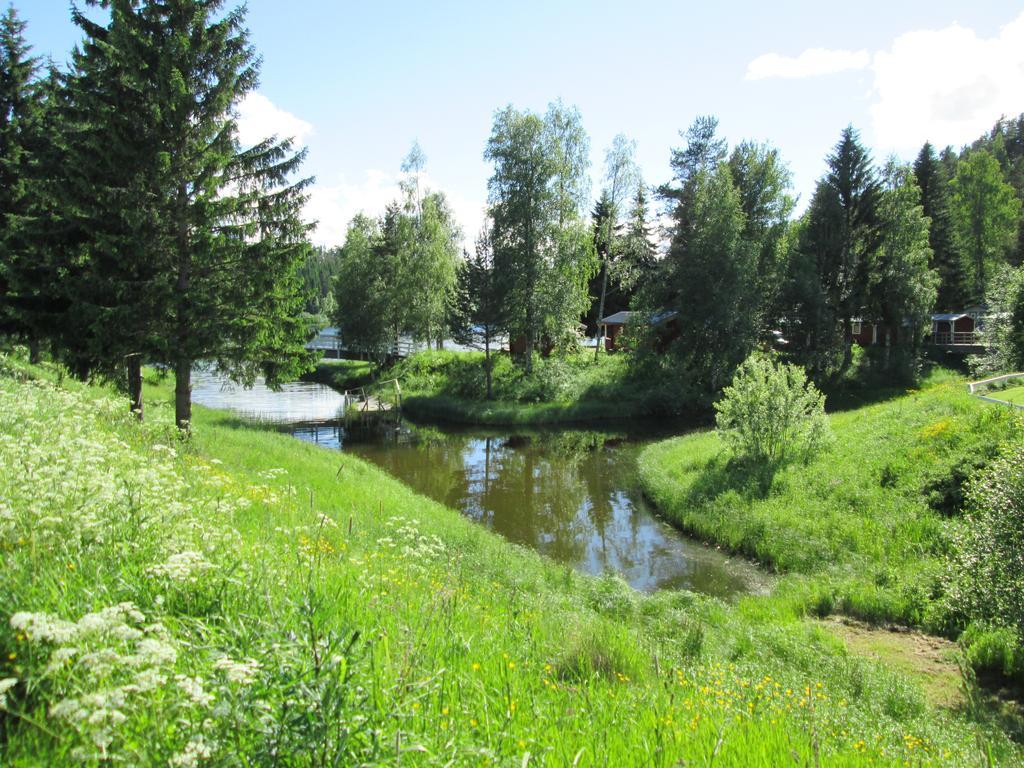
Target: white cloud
{"x": 334, "y": 205}
{"x": 947, "y": 86}
{"x": 810, "y": 63}
{"x": 259, "y": 118}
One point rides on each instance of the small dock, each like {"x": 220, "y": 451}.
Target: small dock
{"x": 369, "y": 405}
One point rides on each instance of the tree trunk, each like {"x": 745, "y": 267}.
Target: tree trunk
{"x": 135, "y": 384}
{"x": 848, "y": 352}
{"x": 487, "y": 364}
{"x": 599, "y": 336}
{"x": 183, "y": 393}
{"x": 33, "y": 351}
{"x": 183, "y": 362}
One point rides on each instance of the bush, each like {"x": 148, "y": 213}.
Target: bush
{"x": 771, "y": 414}
{"x": 987, "y": 562}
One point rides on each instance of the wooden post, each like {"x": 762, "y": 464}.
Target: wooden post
{"x": 135, "y": 383}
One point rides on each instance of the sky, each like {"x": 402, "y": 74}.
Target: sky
{"x": 357, "y": 83}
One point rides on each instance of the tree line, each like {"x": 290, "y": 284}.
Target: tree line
{"x": 135, "y": 225}
{"x": 886, "y": 244}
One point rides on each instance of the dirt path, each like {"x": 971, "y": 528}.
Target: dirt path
{"x": 929, "y": 660}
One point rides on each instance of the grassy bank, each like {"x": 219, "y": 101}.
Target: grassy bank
{"x": 868, "y": 523}
{"x": 451, "y": 386}
{"x": 342, "y": 374}
{"x": 243, "y": 598}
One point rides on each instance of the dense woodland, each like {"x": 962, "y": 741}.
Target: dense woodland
{"x": 135, "y": 223}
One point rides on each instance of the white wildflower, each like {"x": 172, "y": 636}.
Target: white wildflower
{"x": 241, "y": 672}
{"x": 193, "y": 688}
{"x": 182, "y": 567}
{"x": 5, "y": 685}
{"x": 195, "y": 752}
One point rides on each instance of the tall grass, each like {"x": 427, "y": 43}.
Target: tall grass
{"x": 870, "y": 520}
{"x": 241, "y": 598}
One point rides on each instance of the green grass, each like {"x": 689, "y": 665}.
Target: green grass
{"x": 342, "y": 374}
{"x": 868, "y": 523}
{"x": 574, "y": 387}
{"x": 244, "y": 598}
{"x": 1012, "y": 395}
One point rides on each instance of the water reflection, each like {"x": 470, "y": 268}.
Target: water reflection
{"x": 297, "y": 401}
{"x": 570, "y": 494}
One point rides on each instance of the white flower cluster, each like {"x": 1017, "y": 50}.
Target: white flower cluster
{"x": 77, "y": 501}
{"x": 5, "y": 685}
{"x": 182, "y": 567}
{"x": 240, "y": 672}
{"x": 407, "y": 541}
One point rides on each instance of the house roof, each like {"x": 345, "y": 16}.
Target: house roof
{"x": 947, "y": 317}
{"x": 619, "y": 318}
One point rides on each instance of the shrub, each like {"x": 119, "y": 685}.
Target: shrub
{"x": 987, "y": 582}
{"x": 771, "y": 413}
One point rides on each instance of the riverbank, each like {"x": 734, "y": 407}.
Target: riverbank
{"x": 446, "y": 386}
{"x": 341, "y": 375}
{"x": 868, "y": 523}
{"x": 243, "y": 594}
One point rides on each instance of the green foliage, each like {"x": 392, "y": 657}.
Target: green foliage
{"x": 837, "y": 245}
{"x": 987, "y": 562}
{"x": 988, "y": 214}
{"x": 946, "y": 260}
{"x": 543, "y": 252}
{"x": 364, "y": 304}
{"x": 771, "y": 414}
{"x": 23, "y": 268}
{"x": 185, "y": 245}
{"x": 721, "y": 273}
{"x": 398, "y": 276}
{"x": 507, "y": 654}
{"x": 1003, "y": 334}
{"x": 856, "y": 519}
{"x": 901, "y": 288}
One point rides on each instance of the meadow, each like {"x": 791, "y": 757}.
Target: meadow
{"x": 241, "y": 598}
{"x": 863, "y": 529}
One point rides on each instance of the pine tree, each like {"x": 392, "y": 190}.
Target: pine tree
{"x": 206, "y": 235}
{"x": 839, "y": 240}
{"x": 20, "y": 107}
{"x": 930, "y": 174}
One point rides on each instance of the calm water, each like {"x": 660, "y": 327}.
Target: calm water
{"x": 570, "y": 494}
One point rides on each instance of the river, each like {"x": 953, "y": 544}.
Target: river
{"x": 568, "y": 493}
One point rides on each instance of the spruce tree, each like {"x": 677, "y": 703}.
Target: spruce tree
{"x": 204, "y": 236}
{"x": 20, "y": 106}
{"x": 930, "y": 174}
{"x": 479, "y": 315}
{"x": 838, "y": 241}
{"x": 638, "y": 248}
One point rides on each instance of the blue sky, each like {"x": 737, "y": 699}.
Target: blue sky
{"x": 358, "y": 82}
